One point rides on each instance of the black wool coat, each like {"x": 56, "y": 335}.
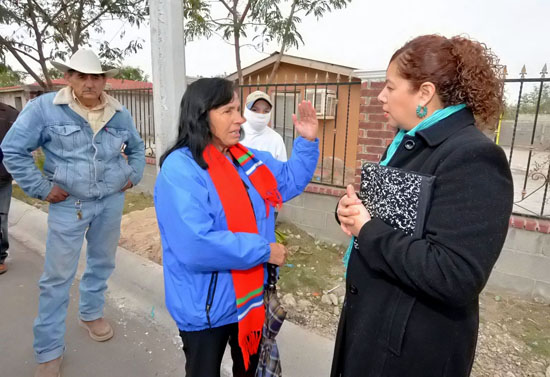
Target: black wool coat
{"x": 411, "y": 307}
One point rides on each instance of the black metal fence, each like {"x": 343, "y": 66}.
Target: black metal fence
{"x": 140, "y": 104}
{"x": 337, "y": 104}
{"x": 524, "y": 134}
{"x": 523, "y": 130}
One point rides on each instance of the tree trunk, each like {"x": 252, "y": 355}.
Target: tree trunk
{"x": 238, "y": 58}
{"x": 276, "y": 65}
{"x": 283, "y": 43}
{"x": 39, "y": 47}
{"x": 27, "y": 68}
{"x": 49, "y": 84}
{"x": 77, "y": 28}
{"x": 236, "y": 36}
{"x": 42, "y": 62}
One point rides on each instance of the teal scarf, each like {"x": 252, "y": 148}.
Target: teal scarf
{"x": 437, "y": 116}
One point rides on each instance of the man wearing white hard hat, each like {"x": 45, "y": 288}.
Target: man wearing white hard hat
{"x": 82, "y": 131}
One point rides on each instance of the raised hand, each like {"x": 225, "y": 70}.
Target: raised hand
{"x": 308, "y": 125}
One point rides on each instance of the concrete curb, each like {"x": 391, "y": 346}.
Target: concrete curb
{"x": 137, "y": 285}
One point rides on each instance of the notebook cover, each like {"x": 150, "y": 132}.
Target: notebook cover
{"x": 398, "y": 197}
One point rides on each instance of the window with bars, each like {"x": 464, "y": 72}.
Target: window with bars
{"x": 324, "y": 101}
{"x": 286, "y": 104}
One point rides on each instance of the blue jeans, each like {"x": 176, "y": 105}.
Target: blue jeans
{"x": 100, "y": 223}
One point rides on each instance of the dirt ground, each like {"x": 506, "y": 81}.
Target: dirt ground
{"x": 140, "y": 234}
{"x": 514, "y": 338}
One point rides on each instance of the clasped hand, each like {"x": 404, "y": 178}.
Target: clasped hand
{"x": 351, "y": 212}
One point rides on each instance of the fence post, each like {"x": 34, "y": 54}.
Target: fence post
{"x": 374, "y": 133}
{"x": 169, "y": 81}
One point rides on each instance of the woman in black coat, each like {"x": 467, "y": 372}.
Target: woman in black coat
{"x": 411, "y": 307}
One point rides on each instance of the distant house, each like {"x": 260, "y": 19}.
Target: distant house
{"x": 136, "y": 96}
{"x": 335, "y": 92}
{"x": 18, "y": 96}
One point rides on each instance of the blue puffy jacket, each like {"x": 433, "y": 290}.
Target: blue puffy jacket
{"x": 198, "y": 250}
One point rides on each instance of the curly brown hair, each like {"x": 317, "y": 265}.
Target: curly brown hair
{"x": 462, "y": 70}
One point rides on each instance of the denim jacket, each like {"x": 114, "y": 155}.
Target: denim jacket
{"x": 85, "y": 165}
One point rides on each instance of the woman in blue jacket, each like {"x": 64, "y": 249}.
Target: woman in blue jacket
{"x": 215, "y": 203}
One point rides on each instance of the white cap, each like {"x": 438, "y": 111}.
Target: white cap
{"x": 257, "y": 95}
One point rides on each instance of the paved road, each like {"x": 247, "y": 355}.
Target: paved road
{"x": 139, "y": 347}
{"x": 146, "y": 343}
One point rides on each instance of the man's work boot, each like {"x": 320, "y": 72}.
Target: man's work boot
{"x": 99, "y": 330}
{"x": 3, "y": 268}
{"x": 51, "y": 368}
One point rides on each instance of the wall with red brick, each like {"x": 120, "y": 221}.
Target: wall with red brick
{"x": 374, "y": 132}
{"x": 530, "y": 224}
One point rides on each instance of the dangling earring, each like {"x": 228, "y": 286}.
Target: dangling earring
{"x": 421, "y": 111}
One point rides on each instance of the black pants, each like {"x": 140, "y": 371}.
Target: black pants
{"x": 5, "y": 199}
{"x": 204, "y": 352}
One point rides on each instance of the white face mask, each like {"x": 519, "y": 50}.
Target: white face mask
{"x": 256, "y": 121}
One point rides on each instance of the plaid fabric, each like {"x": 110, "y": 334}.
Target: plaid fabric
{"x": 269, "y": 364}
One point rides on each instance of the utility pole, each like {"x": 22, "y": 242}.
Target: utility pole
{"x": 169, "y": 81}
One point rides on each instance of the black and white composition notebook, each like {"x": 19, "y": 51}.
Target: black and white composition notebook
{"x": 398, "y": 197}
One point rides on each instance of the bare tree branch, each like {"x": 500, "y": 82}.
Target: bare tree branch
{"x": 50, "y": 21}
{"x": 284, "y": 42}
{"x": 49, "y": 29}
{"x": 93, "y": 20}
{"x": 246, "y": 9}
{"x": 22, "y": 62}
{"x": 19, "y": 20}
{"x": 77, "y": 29}
{"x": 26, "y": 54}
{"x": 242, "y": 45}
{"x": 39, "y": 43}
{"x": 21, "y": 44}
{"x": 227, "y": 6}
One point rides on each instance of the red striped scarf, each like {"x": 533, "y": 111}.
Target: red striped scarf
{"x": 240, "y": 218}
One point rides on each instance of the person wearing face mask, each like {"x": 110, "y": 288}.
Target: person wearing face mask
{"x": 257, "y": 133}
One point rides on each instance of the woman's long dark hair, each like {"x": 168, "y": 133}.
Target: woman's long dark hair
{"x": 200, "y": 97}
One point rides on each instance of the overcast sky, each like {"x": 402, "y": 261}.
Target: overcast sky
{"x": 366, "y": 33}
